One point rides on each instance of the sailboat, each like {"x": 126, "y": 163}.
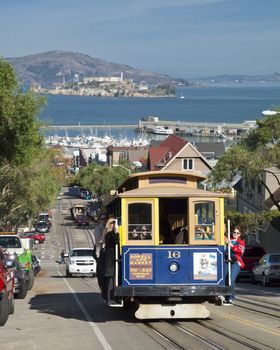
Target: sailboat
{"x": 182, "y": 96}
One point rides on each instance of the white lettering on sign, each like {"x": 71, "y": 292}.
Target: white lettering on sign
{"x": 173, "y": 254}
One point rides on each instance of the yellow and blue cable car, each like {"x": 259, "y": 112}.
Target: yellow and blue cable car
{"x": 169, "y": 251}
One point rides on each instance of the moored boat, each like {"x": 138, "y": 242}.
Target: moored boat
{"x": 163, "y": 130}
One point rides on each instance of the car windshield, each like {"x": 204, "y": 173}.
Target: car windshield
{"x": 41, "y": 224}
{"x": 10, "y": 242}
{"x": 274, "y": 259}
{"x": 82, "y": 252}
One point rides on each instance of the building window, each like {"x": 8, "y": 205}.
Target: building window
{"x": 123, "y": 156}
{"x": 188, "y": 164}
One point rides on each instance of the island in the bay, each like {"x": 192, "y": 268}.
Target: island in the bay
{"x": 71, "y": 73}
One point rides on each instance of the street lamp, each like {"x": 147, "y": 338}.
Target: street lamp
{"x": 121, "y": 166}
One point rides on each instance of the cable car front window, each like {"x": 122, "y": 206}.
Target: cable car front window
{"x": 205, "y": 220}
{"x": 140, "y": 221}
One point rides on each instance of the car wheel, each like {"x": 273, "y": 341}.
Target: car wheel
{"x": 36, "y": 241}
{"x": 253, "y": 280}
{"x": 31, "y": 279}
{"x": 4, "y": 309}
{"x": 22, "y": 290}
{"x": 12, "y": 304}
{"x": 264, "y": 281}
{"x": 68, "y": 274}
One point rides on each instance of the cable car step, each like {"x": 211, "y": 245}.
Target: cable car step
{"x": 176, "y": 311}
{"x": 115, "y": 304}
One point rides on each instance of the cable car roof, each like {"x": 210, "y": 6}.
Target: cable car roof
{"x": 196, "y": 174}
{"x": 168, "y": 192}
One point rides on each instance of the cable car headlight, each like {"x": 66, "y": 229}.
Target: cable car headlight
{"x": 173, "y": 266}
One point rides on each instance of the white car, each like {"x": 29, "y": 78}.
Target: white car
{"x": 80, "y": 261}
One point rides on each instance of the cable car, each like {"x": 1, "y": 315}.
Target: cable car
{"x": 169, "y": 252}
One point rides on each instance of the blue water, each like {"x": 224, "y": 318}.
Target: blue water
{"x": 215, "y": 104}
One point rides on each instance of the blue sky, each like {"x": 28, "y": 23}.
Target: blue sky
{"x": 182, "y": 38}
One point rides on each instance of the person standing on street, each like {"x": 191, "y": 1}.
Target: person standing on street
{"x": 237, "y": 247}
{"x": 98, "y": 231}
{"x": 62, "y": 261}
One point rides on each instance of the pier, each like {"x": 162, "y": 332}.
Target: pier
{"x": 199, "y": 128}
{"x": 180, "y": 128}
{"x": 93, "y": 126}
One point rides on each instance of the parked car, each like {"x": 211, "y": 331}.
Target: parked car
{"x": 21, "y": 279}
{"x": 45, "y": 219}
{"x": 92, "y": 210}
{"x": 36, "y": 236}
{"x": 82, "y": 220}
{"x": 22, "y": 248}
{"x": 252, "y": 255}
{"x": 42, "y": 227}
{"x": 267, "y": 269}
{"x": 85, "y": 195}
{"x": 6, "y": 287}
{"x": 80, "y": 261}
{"x": 36, "y": 264}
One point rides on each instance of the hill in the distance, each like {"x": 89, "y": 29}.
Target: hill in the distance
{"x": 54, "y": 67}
{"x": 241, "y": 78}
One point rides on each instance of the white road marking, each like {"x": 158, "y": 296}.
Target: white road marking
{"x": 92, "y": 324}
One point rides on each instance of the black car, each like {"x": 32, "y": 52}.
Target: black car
{"x": 42, "y": 227}
{"x": 21, "y": 279}
{"x": 44, "y": 219}
{"x": 35, "y": 264}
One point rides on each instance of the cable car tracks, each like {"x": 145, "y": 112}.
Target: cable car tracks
{"x": 253, "y": 305}
{"x": 203, "y": 335}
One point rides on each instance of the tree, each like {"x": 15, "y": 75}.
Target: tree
{"x": 101, "y": 179}
{"x": 253, "y": 156}
{"x": 20, "y": 136}
{"x": 27, "y": 181}
{"x": 255, "y": 221}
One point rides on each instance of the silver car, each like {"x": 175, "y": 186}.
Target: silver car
{"x": 267, "y": 269}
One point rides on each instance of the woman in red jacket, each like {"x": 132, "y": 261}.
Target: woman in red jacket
{"x": 237, "y": 247}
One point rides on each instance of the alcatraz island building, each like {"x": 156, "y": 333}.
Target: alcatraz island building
{"x": 113, "y": 86}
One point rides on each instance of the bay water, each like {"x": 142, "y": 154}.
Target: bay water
{"x": 222, "y": 104}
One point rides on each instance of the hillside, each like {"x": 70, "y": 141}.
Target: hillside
{"x": 241, "y": 78}
{"x": 52, "y": 67}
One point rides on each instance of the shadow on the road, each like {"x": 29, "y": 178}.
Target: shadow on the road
{"x": 72, "y": 223}
{"x": 68, "y": 218}
{"x": 64, "y": 305}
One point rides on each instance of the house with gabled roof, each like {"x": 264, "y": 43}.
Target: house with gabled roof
{"x": 175, "y": 153}
{"x": 212, "y": 151}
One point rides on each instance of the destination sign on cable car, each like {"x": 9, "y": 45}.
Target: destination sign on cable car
{"x": 140, "y": 266}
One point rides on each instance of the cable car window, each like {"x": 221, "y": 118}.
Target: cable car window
{"x": 204, "y": 220}
{"x": 173, "y": 179}
{"x": 140, "y": 221}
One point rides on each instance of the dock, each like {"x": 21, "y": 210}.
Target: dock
{"x": 200, "y": 128}
{"x": 92, "y": 126}
{"x": 179, "y": 127}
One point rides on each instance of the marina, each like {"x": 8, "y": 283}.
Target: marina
{"x": 165, "y": 127}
